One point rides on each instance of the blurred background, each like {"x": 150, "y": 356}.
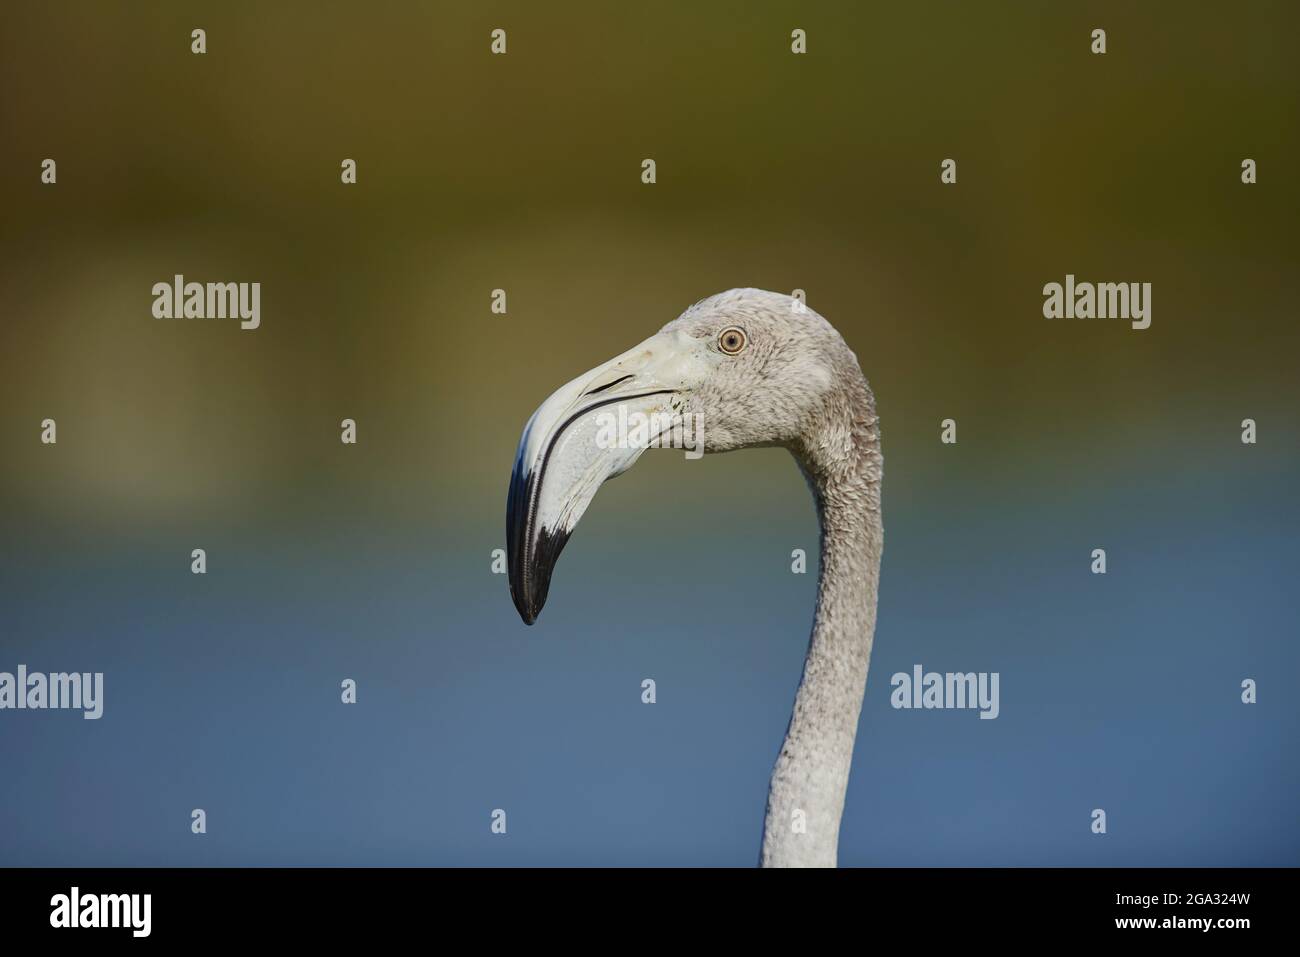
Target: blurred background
{"x": 522, "y": 172}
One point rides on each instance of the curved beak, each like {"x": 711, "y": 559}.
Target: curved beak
{"x": 590, "y": 430}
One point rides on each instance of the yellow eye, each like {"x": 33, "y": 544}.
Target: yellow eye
{"x": 731, "y": 340}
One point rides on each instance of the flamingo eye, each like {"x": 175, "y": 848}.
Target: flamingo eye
{"x": 732, "y": 340}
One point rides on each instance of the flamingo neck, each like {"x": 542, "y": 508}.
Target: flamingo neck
{"x": 806, "y": 794}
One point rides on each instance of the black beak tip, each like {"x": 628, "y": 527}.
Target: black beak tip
{"x": 527, "y": 611}
{"x": 530, "y": 563}
{"x": 528, "y": 600}
{"x": 530, "y": 575}
{"x": 524, "y": 604}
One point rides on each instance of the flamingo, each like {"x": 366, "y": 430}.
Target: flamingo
{"x": 756, "y": 369}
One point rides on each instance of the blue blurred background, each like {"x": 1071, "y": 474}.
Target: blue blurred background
{"x": 522, "y": 172}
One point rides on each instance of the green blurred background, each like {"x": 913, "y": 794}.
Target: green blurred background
{"x": 522, "y": 171}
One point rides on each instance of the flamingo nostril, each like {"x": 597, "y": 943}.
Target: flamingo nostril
{"x": 609, "y": 385}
